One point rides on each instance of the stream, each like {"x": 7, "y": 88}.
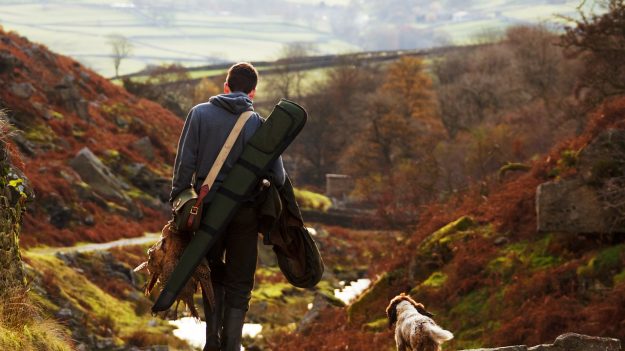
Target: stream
{"x": 194, "y": 331}
{"x": 188, "y": 328}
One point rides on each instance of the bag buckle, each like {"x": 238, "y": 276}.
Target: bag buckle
{"x": 194, "y": 210}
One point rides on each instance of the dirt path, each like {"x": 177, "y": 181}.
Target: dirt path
{"x": 88, "y": 247}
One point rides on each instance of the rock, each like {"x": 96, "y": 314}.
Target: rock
{"x": 8, "y": 61}
{"x": 25, "y": 145}
{"x": 144, "y": 147}
{"x": 23, "y": 90}
{"x": 121, "y": 122}
{"x": 603, "y": 158}
{"x": 507, "y": 348}
{"x": 81, "y": 107}
{"x": 59, "y": 214}
{"x": 98, "y": 176}
{"x": 568, "y": 342}
{"x": 68, "y": 94}
{"x": 148, "y": 181}
{"x": 89, "y": 220}
{"x": 60, "y": 217}
{"x": 104, "y": 343}
{"x": 501, "y": 240}
{"x": 572, "y": 206}
{"x": 578, "y": 342}
{"x": 65, "y": 313}
{"x": 320, "y": 303}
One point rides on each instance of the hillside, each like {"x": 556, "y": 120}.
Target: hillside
{"x": 116, "y": 187}
{"x": 479, "y": 264}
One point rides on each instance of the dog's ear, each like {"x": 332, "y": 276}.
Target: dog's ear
{"x": 391, "y": 313}
{"x": 421, "y": 309}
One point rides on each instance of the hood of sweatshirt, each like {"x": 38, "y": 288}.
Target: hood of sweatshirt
{"x": 236, "y": 103}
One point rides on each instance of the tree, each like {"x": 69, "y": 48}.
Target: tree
{"x": 287, "y": 80}
{"x": 391, "y": 157}
{"x": 600, "y": 41}
{"x": 121, "y": 48}
{"x": 336, "y": 108}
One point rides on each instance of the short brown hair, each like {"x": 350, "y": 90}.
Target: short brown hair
{"x": 242, "y": 77}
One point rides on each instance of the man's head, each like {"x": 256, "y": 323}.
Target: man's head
{"x": 242, "y": 77}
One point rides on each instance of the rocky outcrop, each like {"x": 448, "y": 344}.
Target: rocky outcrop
{"x": 98, "y": 176}
{"x": 571, "y": 206}
{"x": 67, "y": 93}
{"x": 14, "y": 192}
{"x": 103, "y": 182}
{"x": 586, "y": 203}
{"x": 567, "y": 342}
{"x": 144, "y": 147}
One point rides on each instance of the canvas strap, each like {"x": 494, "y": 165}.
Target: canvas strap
{"x": 225, "y": 150}
{"x": 219, "y": 162}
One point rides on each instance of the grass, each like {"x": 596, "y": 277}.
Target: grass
{"x": 311, "y": 200}
{"x": 24, "y": 327}
{"x": 104, "y": 314}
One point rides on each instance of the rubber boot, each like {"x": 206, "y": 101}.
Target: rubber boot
{"x": 233, "y": 328}
{"x": 214, "y": 319}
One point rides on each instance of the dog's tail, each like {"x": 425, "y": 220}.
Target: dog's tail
{"x": 439, "y": 334}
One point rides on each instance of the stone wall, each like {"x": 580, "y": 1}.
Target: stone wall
{"x": 567, "y": 342}
{"x": 14, "y": 192}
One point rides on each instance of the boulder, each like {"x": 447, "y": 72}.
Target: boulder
{"x": 603, "y": 158}
{"x": 319, "y": 304}
{"x": 8, "y": 61}
{"x": 99, "y": 177}
{"x": 506, "y": 348}
{"x": 568, "y": 342}
{"x": 67, "y": 93}
{"x": 23, "y": 90}
{"x": 149, "y": 182}
{"x": 578, "y": 342}
{"x": 572, "y": 206}
{"x": 145, "y": 148}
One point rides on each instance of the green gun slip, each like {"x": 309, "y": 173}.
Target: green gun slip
{"x": 270, "y": 140}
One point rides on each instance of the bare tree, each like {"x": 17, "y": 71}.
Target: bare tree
{"x": 122, "y": 48}
{"x": 288, "y": 79}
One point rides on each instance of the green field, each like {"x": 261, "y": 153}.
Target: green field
{"x": 198, "y": 36}
{"x": 80, "y": 30}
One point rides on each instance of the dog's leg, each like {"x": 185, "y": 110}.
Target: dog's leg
{"x": 399, "y": 341}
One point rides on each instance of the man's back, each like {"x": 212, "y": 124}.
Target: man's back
{"x": 205, "y": 131}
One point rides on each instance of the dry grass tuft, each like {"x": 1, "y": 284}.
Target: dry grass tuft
{"x": 22, "y": 326}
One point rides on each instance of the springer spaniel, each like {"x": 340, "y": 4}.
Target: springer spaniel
{"x": 415, "y": 330}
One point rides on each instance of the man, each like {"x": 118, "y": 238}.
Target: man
{"x": 233, "y": 259}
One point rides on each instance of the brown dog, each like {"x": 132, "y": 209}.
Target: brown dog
{"x": 414, "y": 328}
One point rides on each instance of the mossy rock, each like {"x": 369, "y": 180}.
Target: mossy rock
{"x": 603, "y": 266}
{"x": 442, "y": 236}
{"x": 619, "y": 278}
{"x": 40, "y": 133}
{"x": 435, "y": 280}
{"x": 378, "y": 325}
{"x": 368, "y": 306}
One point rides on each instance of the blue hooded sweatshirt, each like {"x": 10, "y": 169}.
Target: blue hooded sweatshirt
{"x": 205, "y": 131}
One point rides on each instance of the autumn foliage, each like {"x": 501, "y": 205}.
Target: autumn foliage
{"x": 61, "y": 108}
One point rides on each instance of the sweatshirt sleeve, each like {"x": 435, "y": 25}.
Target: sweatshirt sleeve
{"x": 186, "y": 156}
{"x": 279, "y": 174}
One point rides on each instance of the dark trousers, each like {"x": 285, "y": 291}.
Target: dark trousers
{"x": 232, "y": 259}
